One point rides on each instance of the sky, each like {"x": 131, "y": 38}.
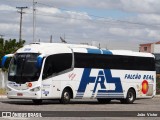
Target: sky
{"x": 115, "y": 24}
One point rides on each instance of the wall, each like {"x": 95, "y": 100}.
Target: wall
{"x": 141, "y": 49}
{"x": 156, "y": 48}
{"x": 3, "y": 79}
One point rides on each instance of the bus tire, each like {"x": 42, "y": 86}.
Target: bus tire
{"x": 66, "y": 96}
{"x": 103, "y": 100}
{"x": 131, "y": 96}
{"x": 37, "y": 101}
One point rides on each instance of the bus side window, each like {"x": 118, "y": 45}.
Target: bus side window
{"x": 57, "y": 63}
{"x": 47, "y": 69}
{"x": 62, "y": 62}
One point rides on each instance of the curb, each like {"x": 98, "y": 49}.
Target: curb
{"x": 3, "y": 96}
{"x": 157, "y": 96}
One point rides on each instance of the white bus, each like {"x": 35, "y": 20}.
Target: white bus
{"x": 42, "y": 71}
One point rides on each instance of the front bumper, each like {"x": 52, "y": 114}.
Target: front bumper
{"x": 24, "y": 95}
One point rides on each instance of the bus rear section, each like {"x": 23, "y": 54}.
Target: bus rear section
{"x": 120, "y": 75}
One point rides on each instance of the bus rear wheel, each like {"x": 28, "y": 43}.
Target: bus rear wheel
{"x": 131, "y": 96}
{"x": 37, "y": 101}
{"x": 103, "y": 100}
{"x": 66, "y": 96}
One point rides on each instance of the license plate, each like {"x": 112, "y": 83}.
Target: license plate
{"x": 19, "y": 94}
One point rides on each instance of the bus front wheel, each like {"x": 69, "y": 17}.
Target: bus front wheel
{"x": 66, "y": 96}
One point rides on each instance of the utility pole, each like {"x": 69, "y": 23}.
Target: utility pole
{"x": 34, "y": 19}
{"x": 21, "y": 13}
{"x": 51, "y": 39}
{"x": 99, "y": 46}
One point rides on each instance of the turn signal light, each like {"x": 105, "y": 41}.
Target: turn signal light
{"x": 29, "y": 84}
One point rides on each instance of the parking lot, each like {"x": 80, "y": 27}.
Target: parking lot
{"x": 81, "y": 105}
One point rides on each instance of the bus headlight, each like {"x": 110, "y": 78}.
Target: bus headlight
{"x": 35, "y": 89}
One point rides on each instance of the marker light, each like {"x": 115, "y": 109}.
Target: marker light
{"x": 29, "y": 84}
{"x": 144, "y": 87}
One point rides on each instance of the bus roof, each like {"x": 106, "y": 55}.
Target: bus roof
{"x": 55, "y": 48}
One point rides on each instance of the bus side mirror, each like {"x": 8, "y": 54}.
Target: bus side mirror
{"x": 4, "y": 59}
{"x": 39, "y": 61}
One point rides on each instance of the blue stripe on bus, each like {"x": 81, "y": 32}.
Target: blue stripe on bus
{"x": 94, "y": 51}
{"x": 109, "y": 97}
{"x": 109, "y": 94}
{"x": 107, "y": 52}
{"x": 102, "y": 94}
{"x": 98, "y": 51}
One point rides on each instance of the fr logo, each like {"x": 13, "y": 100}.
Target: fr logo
{"x": 104, "y": 79}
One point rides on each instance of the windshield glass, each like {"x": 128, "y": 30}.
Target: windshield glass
{"x": 23, "y": 68}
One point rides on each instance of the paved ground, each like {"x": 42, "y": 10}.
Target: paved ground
{"x": 79, "y": 105}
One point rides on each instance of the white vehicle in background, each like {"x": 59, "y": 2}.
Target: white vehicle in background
{"x": 42, "y": 71}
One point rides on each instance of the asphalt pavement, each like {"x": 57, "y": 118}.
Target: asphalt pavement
{"x": 84, "y": 109}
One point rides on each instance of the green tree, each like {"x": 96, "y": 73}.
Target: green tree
{"x": 9, "y": 46}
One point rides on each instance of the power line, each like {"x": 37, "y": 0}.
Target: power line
{"x": 95, "y": 21}
{"x": 21, "y": 13}
{"x": 104, "y": 18}
{"x": 99, "y": 18}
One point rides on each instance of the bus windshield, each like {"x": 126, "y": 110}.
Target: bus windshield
{"x": 23, "y": 68}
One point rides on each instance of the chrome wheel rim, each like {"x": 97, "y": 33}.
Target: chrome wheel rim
{"x": 66, "y": 96}
{"x": 130, "y": 96}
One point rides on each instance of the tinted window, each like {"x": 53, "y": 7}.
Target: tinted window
{"x": 57, "y": 63}
{"x": 23, "y": 68}
{"x": 157, "y": 63}
{"x": 83, "y": 60}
